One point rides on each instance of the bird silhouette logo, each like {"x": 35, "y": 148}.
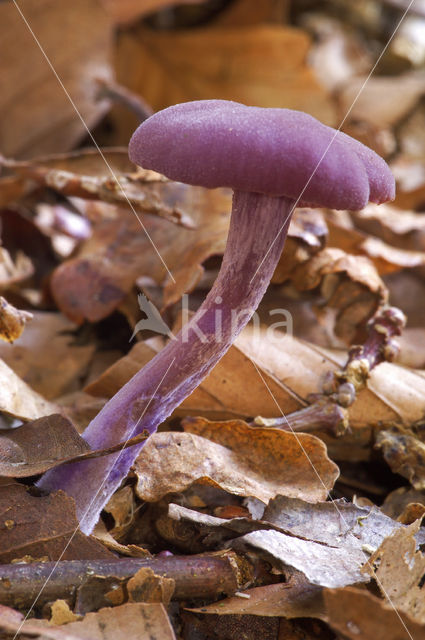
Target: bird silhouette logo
{"x": 153, "y": 321}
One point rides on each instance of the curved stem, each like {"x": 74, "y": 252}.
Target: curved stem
{"x": 257, "y": 233}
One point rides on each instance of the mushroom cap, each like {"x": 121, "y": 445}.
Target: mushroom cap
{"x": 279, "y": 152}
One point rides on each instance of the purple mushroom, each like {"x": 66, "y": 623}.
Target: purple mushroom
{"x": 273, "y": 159}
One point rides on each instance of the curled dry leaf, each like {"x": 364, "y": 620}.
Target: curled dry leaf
{"x": 126, "y": 622}
{"x": 359, "y": 615}
{"x": 56, "y": 535}
{"x": 86, "y": 175}
{"x": 405, "y": 454}
{"x": 37, "y": 446}
{"x": 242, "y": 460}
{"x": 12, "y": 321}
{"x": 403, "y": 229}
{"x": 96, "y": 281}
{"x": 18, "y": 399}
{"x": 76, "y": 39}
{"x": 348, "y": 283}
{"x": 399, "y": 569}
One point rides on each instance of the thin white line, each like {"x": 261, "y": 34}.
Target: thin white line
{"x": 360, "y": 91}
{"x": 92, "y": 138}
{"x": 339, "y": 512}
{"x": 90, "y": 505}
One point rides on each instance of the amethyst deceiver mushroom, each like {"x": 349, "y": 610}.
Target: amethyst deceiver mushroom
{"x": 273, "y": 159}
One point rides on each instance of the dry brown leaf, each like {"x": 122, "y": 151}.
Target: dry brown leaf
{"x": 245, "y": 461}
{"x": 267, "y": 68}
{"x": 95, "y": 282}
{"x": 399, "y": 569}
{"x": 399, "y": 500}
{"x": 122, "y": 508}
{"x": 410, "y": 175}
{"x": 359, "y": 615}
{"x": 24, "y": 533}
{"x": 322, "y": 565}
{"x": 402, "y": 229}
{"x": 294, "y": 599}
{"x": 37, "y": 446}
{"x": 47, "y": 356}
{"x": 61, "y": 613}
{"x": 12, "y": 321}
{"x": 145, "y": 586}
{"x": 18, "y": 399}
{"x": 337, "y": 523}
{"x": 350, "y": 284}
{"x": 110, "y": 178}
{"x": 363, "y": 100}
{"x": 76, "y": 39}
{"x": 404, "y": 453}
{"x": 127, "y": 622}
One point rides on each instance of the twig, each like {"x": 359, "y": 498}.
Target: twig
{"x": 121, "y": 95}
{"x": 196, "y": 577}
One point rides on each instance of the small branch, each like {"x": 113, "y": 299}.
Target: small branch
{"x": 196, "y": 577}
{"x": 322, "y": 415}
{"x": 123, "y": 96}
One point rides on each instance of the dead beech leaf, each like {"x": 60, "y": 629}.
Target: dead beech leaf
{"x": 23, "y": 532}
{"x": 337, "y": 523}
{"x": 242, "y": 460}
{"x": 76, "y": 38}
{"x": 402, "y": 229}
{"x": 322, "y": 565}
{"x": 399, "y": 570}
{"x": 268, "y": 67}
{"x": 130, "y": 621}
{"x": 296, "y": 598}
{"x": 364, "y": 99}
{"x": 47, "y": 356}
{"x": 107, "y": 265}
{"x": 146, "y": 586}
{"x": 86, "y": 175}
{"x": 348, "y": 283}
{"x": 12, "y": 321}
{"x": 18, "y": 399}
{"x": 410, "y": 176}
{"x": 359, "y": 615}
{"x": 396, "y": 502}
{"x": 37, "y": 446}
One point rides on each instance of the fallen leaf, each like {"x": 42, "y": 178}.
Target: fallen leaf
{"x": 18, "y": 399}
{"x": 242, "y": 460}
{"x": 363, "y": 99}
{"x": 294, "y": 599}
{"x": 268, "y": 67}
{"x": 127, "y": 622}
{"x": 55, "y": 535}
{"x": 359, "y": 615}
{"x": 96, "y": 281}
{"x": 322, "y": 565}
{"x": 12, "y": 321}
{"x": 47, "y": 356}
{"x": 109, "y": 177}
{"x": 349, "y": 284}
{"x": 398, "y": 500}
{"x": 14, "y": 271}
{"x": 401, "y": 229}
{"x": 399, "y": 569}
{"x": 76, "y": 39}
{"x": 37, "y": 446}
{"x": 61, "y": 613}
{"x": 145, "y": 586}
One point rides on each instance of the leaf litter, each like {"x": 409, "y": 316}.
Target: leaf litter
{"x": 244, "y": 472}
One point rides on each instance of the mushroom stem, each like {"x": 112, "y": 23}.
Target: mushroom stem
{"x": 257, "y": 233}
